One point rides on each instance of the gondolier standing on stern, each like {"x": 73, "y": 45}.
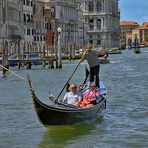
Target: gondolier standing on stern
{"x": 91, "y": 55}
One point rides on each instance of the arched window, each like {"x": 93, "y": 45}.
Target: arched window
{"x": 98, "y": 23}
{"x": 98, "y": 39}
{"x": 98, "y": 6}
{"x": 91, "y": 6}
{"x": 91, "y": 21}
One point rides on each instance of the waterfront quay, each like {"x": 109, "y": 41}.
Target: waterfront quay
{"x": 52, "y": 58}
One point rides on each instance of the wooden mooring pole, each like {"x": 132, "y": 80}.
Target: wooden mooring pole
{"x": 4, "y": 58}
{"x": 59, "y": 48}
{"x": 43, "y": 52}
{"x": 18, "y": 54}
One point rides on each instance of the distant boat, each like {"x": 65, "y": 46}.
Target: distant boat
{"x": 137, "y": 50}
{"x": 114, "y": 51}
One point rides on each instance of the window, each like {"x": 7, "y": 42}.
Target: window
{"x": 32, "y": 32}
{"x": 28, "y": 18}
{"x": 24, "y": 18}
{"x": 28, "y": 31}
{"x": 24, "y": 2}
{"x": 91, "y": 41}
{"x": 99, "y": 24}
{"x": 34, "y": 38}
{"x": 98, "y": 36}
{"x": 31, "y": 3}
{"x": 37, "y": 38}
{"x": 53, "y": 11}
{"x": 27, "y": 2}
{"x": 98, "y": 42}
{"x": 91, "y": 6}
{"x": 40, "y": 38}
{"x": 91, "y": 24}
{"x": 98, "y": 6}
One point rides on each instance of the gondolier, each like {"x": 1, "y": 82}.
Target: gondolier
{"x": 93, "y": 61}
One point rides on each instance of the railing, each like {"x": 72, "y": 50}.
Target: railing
{"x": 103, "y": 12}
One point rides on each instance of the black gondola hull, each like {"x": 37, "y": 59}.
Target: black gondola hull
{"x": 57, "y": 114}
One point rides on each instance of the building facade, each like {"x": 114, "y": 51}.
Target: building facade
{"x": 141, "y": 33}
{"x": 11, "y": 22}
{"x": 28, "y": 24}
{"x": 126, "y": 28}
{"x": 39, "y": 25}
{"x": 101, "y": 19}
{"x": 45, "y": 26}
{"x": 66, "y": 15}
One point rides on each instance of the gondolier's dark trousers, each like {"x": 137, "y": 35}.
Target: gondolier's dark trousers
{"x": 94, "y": 73}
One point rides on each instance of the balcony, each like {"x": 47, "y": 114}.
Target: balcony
{"x": 99, "y": 30}
{"x": 96, "y": 13}
{"x": 101, "y": 13}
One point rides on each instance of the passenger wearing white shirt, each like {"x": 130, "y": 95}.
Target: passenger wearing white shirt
{"x": 73, "y": 97}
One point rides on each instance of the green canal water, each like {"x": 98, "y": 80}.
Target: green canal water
{"x": 124, "y": 124}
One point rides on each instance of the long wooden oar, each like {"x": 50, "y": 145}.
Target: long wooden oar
{"x": 71, "y": 76}
{"x": 12, "y": 72}
{"x": 87, "y": 73}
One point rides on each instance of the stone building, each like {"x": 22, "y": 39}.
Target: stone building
{"x": 45, "y": 26}
{"x": 11, "y": 22}
{"x": 102, "y": 19}
{"x": 39, "y": 25}
{"x": 81, "y": 25}
{"x": 28, "y": 24}
{"x": 126, "y": 28}
{"x": 66, "y": 15}
{"x": 141, "y": 33}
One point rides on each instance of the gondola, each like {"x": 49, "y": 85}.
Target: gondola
{"x": 58, "y": 113}
{"x": 137, "y": 51}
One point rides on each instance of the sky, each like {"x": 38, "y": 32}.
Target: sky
{"x": 134, "y": 10}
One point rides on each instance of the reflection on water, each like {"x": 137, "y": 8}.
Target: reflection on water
{"x": 60, "y": 136}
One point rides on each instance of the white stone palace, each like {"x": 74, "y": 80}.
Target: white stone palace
{"x": 67, "y": 17}
{"x": 101, "y": 21}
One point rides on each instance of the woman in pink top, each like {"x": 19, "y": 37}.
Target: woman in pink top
{"x": 89, "y": 96}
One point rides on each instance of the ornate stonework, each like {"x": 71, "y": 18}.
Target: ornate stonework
{"x": 102, "y": 20}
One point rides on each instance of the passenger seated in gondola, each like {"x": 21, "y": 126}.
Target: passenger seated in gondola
{"x": 80, "y": 88}
{"x": 90, "y": 96}
{"x": 73, "y": 97}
